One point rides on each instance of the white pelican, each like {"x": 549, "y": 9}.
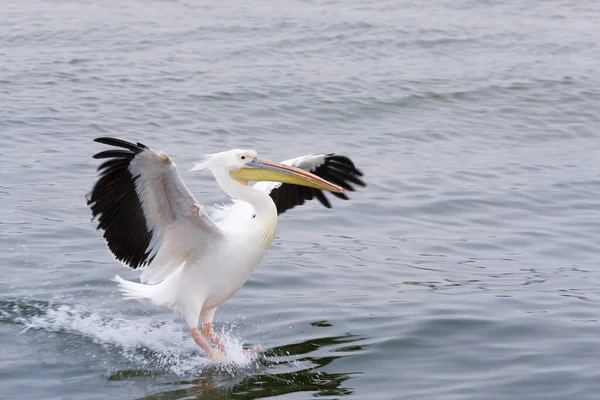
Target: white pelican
{"x": 193, "y": 262}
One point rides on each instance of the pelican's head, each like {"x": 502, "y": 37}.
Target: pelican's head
{"x": 245, "y": 166}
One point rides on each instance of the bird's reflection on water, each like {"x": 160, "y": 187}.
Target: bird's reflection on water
{"x": 302, "y": 372}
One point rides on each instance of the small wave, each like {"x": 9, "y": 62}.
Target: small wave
{"x": 147, "y": 343}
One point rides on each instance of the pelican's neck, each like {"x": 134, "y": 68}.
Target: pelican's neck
{"x": 264, "y": 222}
{"x": 261, "y": 202}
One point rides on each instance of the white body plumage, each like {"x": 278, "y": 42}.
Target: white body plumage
{"x": 206, "y": 279}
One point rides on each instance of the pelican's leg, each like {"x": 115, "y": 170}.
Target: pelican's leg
{"x": 212, "y": 336}
{"x": 204, "y": 345}
{"x": 207, "y": 317}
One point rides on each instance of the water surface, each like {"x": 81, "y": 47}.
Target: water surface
{"x": 467, "y": 269}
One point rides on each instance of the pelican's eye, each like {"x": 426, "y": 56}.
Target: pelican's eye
{"x": 243, "y": 157}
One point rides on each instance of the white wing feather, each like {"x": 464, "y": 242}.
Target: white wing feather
{"x": 180, "y": 227}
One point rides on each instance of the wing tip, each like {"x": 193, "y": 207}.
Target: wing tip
{"x": 116, "y": 206}
{"x": 111, "y": 141}
{"x": 336, "y": 168}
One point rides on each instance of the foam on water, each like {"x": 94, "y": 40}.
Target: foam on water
{"x": 160, "y": 346}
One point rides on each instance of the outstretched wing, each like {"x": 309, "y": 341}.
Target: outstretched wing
{"x": 335, "y": 168}
{"x": 148, "y": 215}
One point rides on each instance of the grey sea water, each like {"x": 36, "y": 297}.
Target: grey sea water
{"x": 467, "y": 269}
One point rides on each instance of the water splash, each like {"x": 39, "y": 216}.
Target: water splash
{"x": 145, "y": 347}
{"x": 156, "y": 346}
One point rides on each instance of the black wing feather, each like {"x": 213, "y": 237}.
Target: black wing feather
{"x": 335, "y": 168}
{"x": 135, "y": 148}
{"x": 124, "y": 154}
{"x": 115, "y": 204}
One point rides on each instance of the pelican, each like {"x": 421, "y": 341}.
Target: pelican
{"x": 194, "y": 259}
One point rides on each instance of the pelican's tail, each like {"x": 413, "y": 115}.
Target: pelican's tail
{"x": 157, "y": 295}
